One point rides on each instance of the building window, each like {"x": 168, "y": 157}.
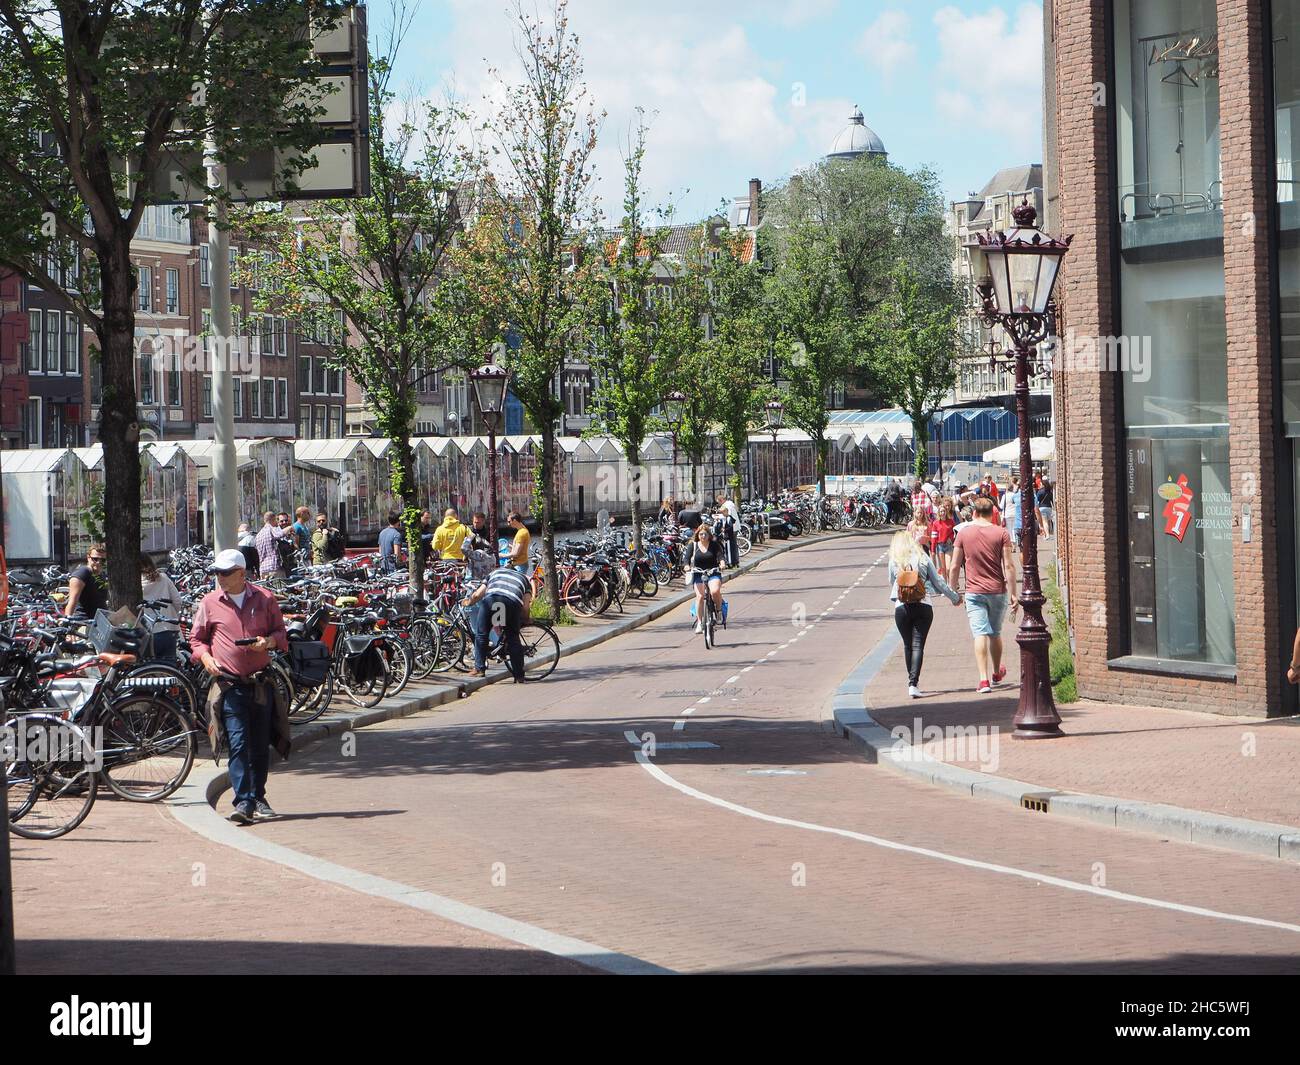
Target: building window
{"x": 282, "y": 336}
{"x": 52, "y": 332}
{"x": 234, "y": 268}
{"x": 267, "y": 335}
{"x": 207, "y": 395}
{"x": 304, "y": 423}
{"x": 304, "y": 375}
{"x": 173, "y": 291}
{"x": 34, "y": 341}
{"x": 282, "y": 398}
{"x": 254, "y": 397}
{"x": 144, "y": 288}
{"x": 336, "y": 382}
{"x": 268, "y": 397}
{"x": 1173, "y": 364}
{"x": 321, "y": 384}
{"x": 71, "y": 345}
{"x": 145, "y": 363}
{"x": 205, "y": 266}
{"x": 322, "y": 422}
{"x": 173, "y": 380}
{"x": 31, "y": 422}
{"x": 238, "y": 394}
{"x": 336, "y": 427}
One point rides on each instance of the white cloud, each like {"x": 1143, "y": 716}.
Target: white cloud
{"x": 711, "y": 99}
{"x": 989, "y": 71}
{"x": 885, "y": 42}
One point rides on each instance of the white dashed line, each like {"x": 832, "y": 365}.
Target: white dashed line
{"x": 732, "y": 680}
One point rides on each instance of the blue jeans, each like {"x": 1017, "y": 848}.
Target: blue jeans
{"x": 248, "y": 735}
{"x": 513, "y": 615}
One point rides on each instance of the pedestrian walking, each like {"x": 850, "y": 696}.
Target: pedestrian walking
{"x": 1013, "y": 511}
{"x": 450, "y": 536}
{"x": 157, "y": 587}
{"x": 912, "y": 577}
{"x": 942, "y": 537}
{"x": 522, "y": 544}
{"x": 984, "y": 555}
{"x": 504, "y": 601}
{"x": 919, "y": 528}
{"x": 268, "y": 553}
{"x": 921, "y": 503}
{"x": 235, "y": 628}
{"x": 88, "y": 586}
{"x": 390, "y": 537}
{"x": 1046, "y": 502}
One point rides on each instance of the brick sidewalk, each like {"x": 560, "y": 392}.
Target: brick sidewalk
{"x": 1234, "y": 766}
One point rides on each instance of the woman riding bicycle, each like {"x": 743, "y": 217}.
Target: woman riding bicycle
{"x": 704, "y": 561}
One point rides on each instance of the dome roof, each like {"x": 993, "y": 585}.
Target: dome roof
{"x": 856, "y": 139}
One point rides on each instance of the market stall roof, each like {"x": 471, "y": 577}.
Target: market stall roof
{"x": 91, "y": 457}
{"x": 377, "y": 445}
{"x": 1041, "y": 449}
{"x": 336, "y": 450}
{"x": 35, "y": 460}
{"x": 869, "y": 417}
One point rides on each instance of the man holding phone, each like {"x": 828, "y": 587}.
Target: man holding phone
{"x": 236, "y": 627}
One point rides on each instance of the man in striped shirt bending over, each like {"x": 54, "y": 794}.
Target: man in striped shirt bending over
{"x": 505, "y": 600}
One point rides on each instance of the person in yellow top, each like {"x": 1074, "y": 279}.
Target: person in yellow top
{"x": 450, "y": 536}
{"x": 523, "y": 541}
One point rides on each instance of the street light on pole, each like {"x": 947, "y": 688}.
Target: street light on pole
{"x": 1018, "y": 271}
{"x": 774, "y": 414}
{"x": 490, "y": 382}
{"x": 675, "y": 410}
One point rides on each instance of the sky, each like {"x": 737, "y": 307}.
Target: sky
{"x": 760, "y": 88}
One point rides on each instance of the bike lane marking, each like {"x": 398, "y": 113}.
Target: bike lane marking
{"x": 954, "y": 859}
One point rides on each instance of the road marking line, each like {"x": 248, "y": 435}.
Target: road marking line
{"x": 732, "y": 680}
{"x": 204, "y": 820}
{"x": 954, "y": 859}
{"x": 703, "y": 698}
{"x": 747, "y": 669}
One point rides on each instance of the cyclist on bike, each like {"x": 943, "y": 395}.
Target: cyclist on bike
{"x": 704, "y": 562}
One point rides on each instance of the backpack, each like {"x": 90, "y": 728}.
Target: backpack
{"x": 911, "y": 586}
{"x": 286, "y": 553}
{"x": 334, "y": 544}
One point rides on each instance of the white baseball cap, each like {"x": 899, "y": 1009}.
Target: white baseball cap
{"x": 227, "y": 561}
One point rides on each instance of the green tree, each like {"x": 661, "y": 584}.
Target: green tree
{"x": 914, "y": 339}
{"x": 522, "y": 263}
{"x": 374, "y": 262}
{"x": 629, "y": 354}
{"x": 92, "y": 90}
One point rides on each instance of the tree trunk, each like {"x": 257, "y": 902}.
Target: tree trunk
{"x": 119, "y": 430}
{"x": 635, "y": 484}
{"x": 402, "y": 465}
{"x": 921, "y": 445}
{"x": 822, "y": 447}
{"x": 548, "y": 517}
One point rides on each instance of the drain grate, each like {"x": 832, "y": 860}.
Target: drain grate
{"x": 1039, "y": 803}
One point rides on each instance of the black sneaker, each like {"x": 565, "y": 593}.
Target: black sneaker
{"x": 243, "y": 813}
{"x": 263, "y": 811}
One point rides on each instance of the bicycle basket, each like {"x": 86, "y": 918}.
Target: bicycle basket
{"x": 119, "y": 639}
{"x": 309, "y": 662}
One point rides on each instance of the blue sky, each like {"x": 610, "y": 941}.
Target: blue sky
{"x": 759, "y": 88}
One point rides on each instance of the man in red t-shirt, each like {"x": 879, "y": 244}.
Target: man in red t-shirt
{"x": 984, "y": 554}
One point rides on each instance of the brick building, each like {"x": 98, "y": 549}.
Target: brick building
{"x": 1171, "y": 132}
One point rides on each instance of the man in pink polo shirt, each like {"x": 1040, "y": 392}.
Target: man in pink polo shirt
{"x": 236, "y": 627}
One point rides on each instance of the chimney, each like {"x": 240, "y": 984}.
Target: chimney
{"x": 755, "y": 187}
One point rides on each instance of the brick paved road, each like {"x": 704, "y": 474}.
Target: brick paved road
{"x": 529, "y": 801}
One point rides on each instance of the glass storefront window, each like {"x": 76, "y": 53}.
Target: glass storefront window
{"x": 1173, "y": 354}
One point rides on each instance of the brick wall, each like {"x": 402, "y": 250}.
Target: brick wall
{"x": 1092, "y": 465}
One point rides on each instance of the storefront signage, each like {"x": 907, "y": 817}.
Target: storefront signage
{"x": 1178, "y": 506}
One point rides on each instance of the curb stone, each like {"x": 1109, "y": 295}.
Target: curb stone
{"x": 850, "y": 717}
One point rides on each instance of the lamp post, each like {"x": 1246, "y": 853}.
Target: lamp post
{"x": 490, "y": 383}
{"x": 774, "y": 414}
{"x": 1018, "y": 271}
{"x": 675, "y": 410}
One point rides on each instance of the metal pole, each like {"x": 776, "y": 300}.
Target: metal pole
{"x": 492, "y": 481}
{"x": 224, "y": 472}
{"x": 1036, "y": 717}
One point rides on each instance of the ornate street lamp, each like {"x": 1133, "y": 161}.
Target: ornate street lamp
{"x": 675, "y": 412}
{"x": 774, "y": 415}
{"x": 1017, "y": 272}
{"x": 490, "y": 383}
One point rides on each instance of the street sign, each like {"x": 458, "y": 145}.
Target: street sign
{"x": 342, "y": 154}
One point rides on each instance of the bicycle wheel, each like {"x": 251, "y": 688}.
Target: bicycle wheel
{"x": 149, "y": 745}
{"x": 451, "y": 645}
{"x": 52, "y": 783}
{"x": 539, "y": 640}
{"x": 309, "y": 703}
{"x": 590, "y": 599}
{"x": 401, "y": 660}
{"x": 179, "y": 686}
{"x": 365, "y": 693}
{"x": 708, "y": 624}
{"x": 649, "y": 584}
{"x": 425, "y": 638}
{"x": 743, "y": 545}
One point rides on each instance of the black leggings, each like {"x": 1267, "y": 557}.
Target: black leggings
{"x": 913, "y": 621}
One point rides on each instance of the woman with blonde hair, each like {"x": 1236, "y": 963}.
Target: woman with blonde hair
{"x": 913, "y": 577}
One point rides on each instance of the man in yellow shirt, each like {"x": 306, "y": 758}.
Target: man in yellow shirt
{"x": 450, "y": 537}
{"x": 523, "y": 541}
